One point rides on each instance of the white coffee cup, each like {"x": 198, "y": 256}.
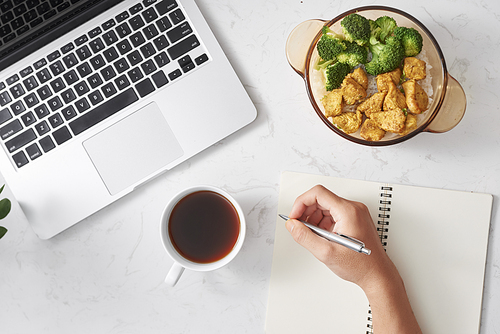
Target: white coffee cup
{"x": 180, "y": 262}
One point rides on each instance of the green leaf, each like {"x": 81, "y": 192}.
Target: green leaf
{"x": 3, "y": 230}
{"x": 5, "y": 206}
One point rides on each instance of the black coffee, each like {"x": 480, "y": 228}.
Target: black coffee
{"x": 204, "y": 227}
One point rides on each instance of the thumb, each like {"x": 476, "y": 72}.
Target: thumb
{"x": 318, "y": 246}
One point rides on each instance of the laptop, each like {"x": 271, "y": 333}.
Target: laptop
{"x": 100, "y": 96}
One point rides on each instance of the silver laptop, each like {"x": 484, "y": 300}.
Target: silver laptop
{"x": 99, "y": 96}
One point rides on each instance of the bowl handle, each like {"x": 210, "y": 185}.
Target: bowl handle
{"x": 452, "y": 110}
{"x": 299, "y": 42}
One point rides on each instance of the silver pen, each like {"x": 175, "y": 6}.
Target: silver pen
{"x": 339, "y": 238}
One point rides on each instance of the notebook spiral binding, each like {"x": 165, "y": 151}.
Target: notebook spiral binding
{"x": 384, "y": 215}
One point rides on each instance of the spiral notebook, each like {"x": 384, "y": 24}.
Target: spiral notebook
{"x": 437, "y": 238}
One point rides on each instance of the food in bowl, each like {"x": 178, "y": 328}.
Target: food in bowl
{"x": 372, "y": 77}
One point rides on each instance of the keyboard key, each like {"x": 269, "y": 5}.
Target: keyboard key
{"x": 148, "y": 67}
{"x": 123, "y": 30}
{"x": 108, "y": 73}
{"x": 136, "y": 22}
{"x": 5, "y": 98}
{"x": 97, "y": 62}
{"x": 110, "y": 37}
{"x": 68, "y": 95}
{"x": 150, "y": 31}
{"x": 147, "y": 3}
{"x": 175, "y": 74}
{"x": 160, "y": 79}
{"x": 122, "y": 82}
{"x": 27, "y": 71}
{"x": 162, "y": 59}
{"x": 70, "y": 60}
{"x": 41, "y": 111}
{"x": 121, "y": 65}
{"x": 111, "y": 54}
{"x": 80, "y": 40}
{"x": 33, "y": 151}
{"x": 47, "y": 144}
{"x": 83, "y": 52}
{"x": 55, "y": 120}
{"x": 10, "y": 129}
{"x": 67, "y": 48}
{"x": 28, "y": 118}
{"x": 96, "y": 45}
{"x": 57, "y": 68}
{"x": 4, "y": 115}
{"x": 54, "y": 55}
{"x": 55, "y": 103}
{"x": 94, "y": 80}
{"x": 31, "y": 100}
{"x": 39, "y": 64}
{"x": 103, "y": 111}
{"x": 179, "y": 32}
{"x": 20, "y": 140}
{"x": 145, "y": 87}
{"x": 68, "y": 112}
{"x": 20, "y": 159}
{"x": 134, "y": 58}
{"x": 44, "y": 92}
{"x": 176, "y": 16}
{"x": 61, "y": 135}
{"x": 95, "y": 97}
{"x": 135, "y": 74}
{"x": 81, "y": 88}
{"x": 163, "y": 24}
{"x": 84, "y": 69}
{"x": 137, "y": 39}
{"x": 57, "y": 85}
{"x": 30, "y": 83}
{"x": 42, "y": 128}
{"x": 44, "y": 75}
{"x": 165, "y": 6}
{"x": 71, "y": 77}
{"x": 148, "y": 50}
{"x": 13, "y": 78}
{"x": 95, "y": 32}
{"x": 17, "y": 91}
{"x": 17, "y": 107}
{"x": 124, "y": 46}
{"x": 108, "y": 24}
{"x": 161, "y": 42}
{"x": 183, "y": 47}
{"x": 108, "y": 89}
{"x": 82, "y": 105}
{"x": 121, "y": 17}
{"x": 149, "y": 15}
{"x": 135, "y": 9}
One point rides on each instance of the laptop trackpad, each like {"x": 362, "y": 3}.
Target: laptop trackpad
{"x": 134, "y": 148}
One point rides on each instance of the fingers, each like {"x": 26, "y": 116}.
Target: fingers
{"x": 318, "y": 246}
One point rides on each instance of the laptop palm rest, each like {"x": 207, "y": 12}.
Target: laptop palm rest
{"x": 134, "y": 148}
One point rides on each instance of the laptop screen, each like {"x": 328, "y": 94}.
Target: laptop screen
{"x": 27, "y": 25}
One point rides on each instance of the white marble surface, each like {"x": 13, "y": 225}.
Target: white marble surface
{"x": 105, "y": 275}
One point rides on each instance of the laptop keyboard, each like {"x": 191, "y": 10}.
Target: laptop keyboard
{"x": 95, "y": 76}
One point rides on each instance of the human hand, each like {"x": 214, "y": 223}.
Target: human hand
{"x": 322, "y": 208}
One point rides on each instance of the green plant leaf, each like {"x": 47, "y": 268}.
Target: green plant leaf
{"x": 5, "y": 206}
{"x": 3, "y": 230}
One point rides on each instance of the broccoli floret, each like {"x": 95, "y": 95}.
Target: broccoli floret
{"x": 353, "y": 55}
{"x": 329, "y": 47}
{"x": 412, "y": 40}
{"x": 374, "y": 32}
{"x": 356, "y": 28}
{"x": 387, "y": 25}
{"x": 385, "y": 57}
{"x": 335, "y": 74}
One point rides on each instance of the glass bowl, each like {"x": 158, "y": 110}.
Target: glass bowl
{"x": 447, "y": 102}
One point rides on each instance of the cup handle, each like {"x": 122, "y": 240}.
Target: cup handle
{"x": 299, "y": 41}
{"x": 174, "y": 274}
{"x": 452, "y": 110}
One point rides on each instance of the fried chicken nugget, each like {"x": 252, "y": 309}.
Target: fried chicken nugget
{"x": 352, "y": 91}
{"x": 333, "y": 103}
{"x": 373, "y": 104}
{"x": 414, "y": 68}
{"x": 360, "y": 76}
{"x": 386, "y": 80}
{"x": 349, "y": 122}
{"x": 370, "y": 131}
{"x": 394, "y": 99}
{"x": 416, "y": 98}
{"x": 410, "y": 124}
{"x": 392, "y": 120}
